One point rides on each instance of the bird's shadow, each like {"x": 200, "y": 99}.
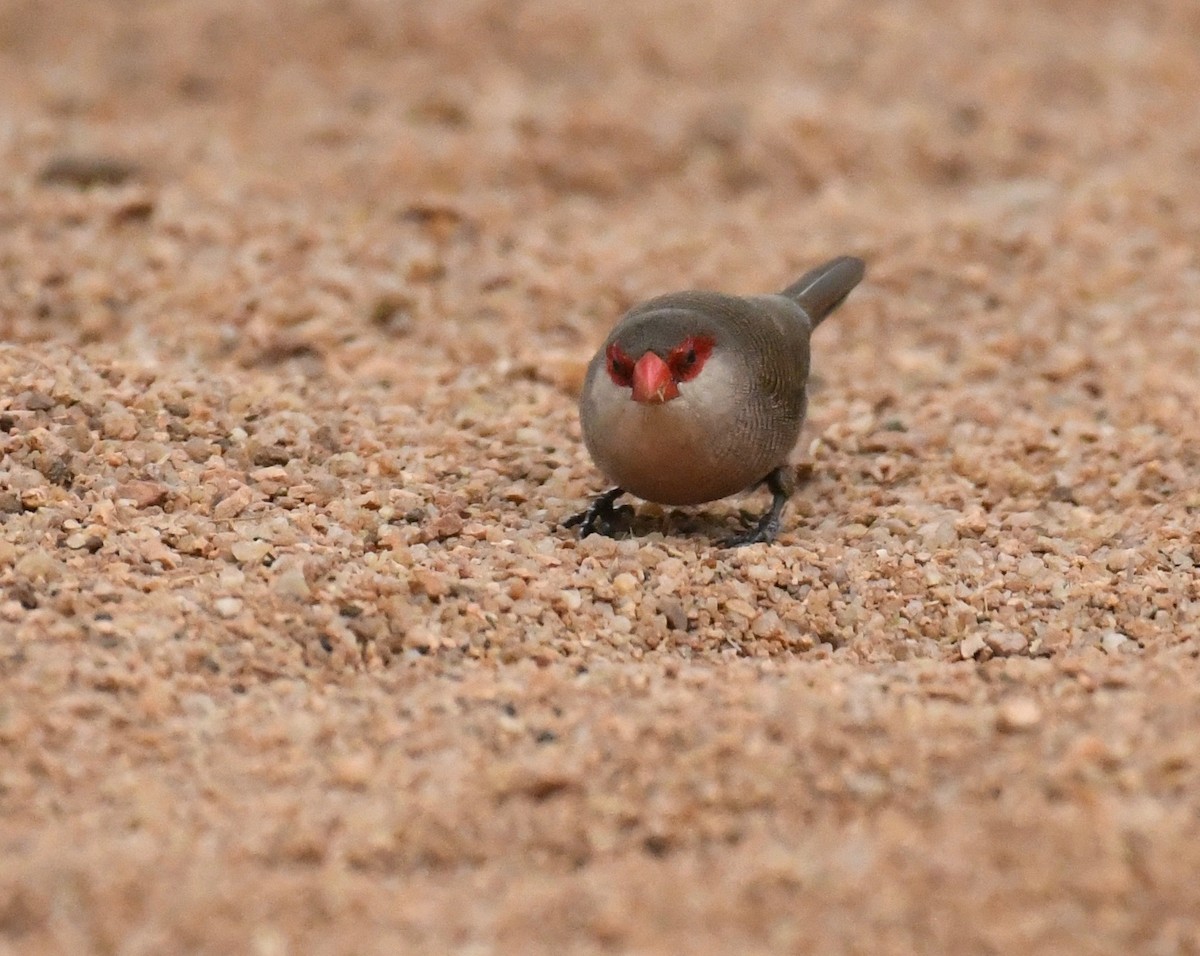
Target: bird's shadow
{"x": 632, "y": 521}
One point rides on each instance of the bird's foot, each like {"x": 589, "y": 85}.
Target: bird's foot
{"x": 762, "y": 533}
{"x": 600, "y": 511}
{"x": 781, "y": 483}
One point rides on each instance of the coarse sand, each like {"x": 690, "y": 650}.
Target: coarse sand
{"x": 295, "y": 300}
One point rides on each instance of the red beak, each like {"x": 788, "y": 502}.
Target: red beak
{"x": 653, "y": 381}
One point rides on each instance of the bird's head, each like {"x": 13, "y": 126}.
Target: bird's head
{"x": 655, "y": 359}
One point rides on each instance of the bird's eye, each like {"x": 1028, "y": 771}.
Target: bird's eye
{"x": 620, "y": 367}
{"x": 688, "y": 358}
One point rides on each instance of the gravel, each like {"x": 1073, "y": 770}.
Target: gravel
{"x": 295, "y": 302}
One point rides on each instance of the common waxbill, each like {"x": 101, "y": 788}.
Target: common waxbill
{"x": 695, "y": 395}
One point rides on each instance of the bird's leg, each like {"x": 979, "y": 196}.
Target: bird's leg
{"x": 599, "y": 510}
{"x": 781, "y": 482}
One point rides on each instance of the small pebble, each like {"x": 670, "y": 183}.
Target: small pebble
{"x": 83, "y": 170}
{"x": 143, "y": 494}
{"x": 233, "y": 504}
{"x": 228, "y": 607}
{"x": 250, "y": 552}
{"x": 37, "y": 564}
{"x": 625, "y": 583}
{"x": 677, "y": 618}
{"x": 1006, "y": 643}
{"x": 1018, "y": 715}
{"x": 1114, "y": 642}
{"x": 971, "y": 645}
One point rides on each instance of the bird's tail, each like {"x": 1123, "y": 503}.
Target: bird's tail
{"x": 823, "y": 289}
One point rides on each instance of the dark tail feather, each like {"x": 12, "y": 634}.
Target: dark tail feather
{"x": 821, "y": 291}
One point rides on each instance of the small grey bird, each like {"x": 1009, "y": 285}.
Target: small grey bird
{"x": 695, "y": 395}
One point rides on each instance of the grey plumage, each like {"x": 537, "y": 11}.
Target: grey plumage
{"x": 737, "y": 422}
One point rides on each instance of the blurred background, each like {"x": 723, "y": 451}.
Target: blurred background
{"x": 612, "y": 99}
{"x": 543, "y": 164}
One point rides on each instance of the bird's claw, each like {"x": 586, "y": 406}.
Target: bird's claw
{"x": 599, "y": 510}
{"x": 762, "y": 533}
{"x": 586, "y": 520}
{"x": 780, "y": 482}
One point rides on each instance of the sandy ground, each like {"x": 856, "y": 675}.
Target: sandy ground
{"x": 295, "y": 298}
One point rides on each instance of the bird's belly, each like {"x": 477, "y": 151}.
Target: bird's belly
{"x": 665, "y": 454}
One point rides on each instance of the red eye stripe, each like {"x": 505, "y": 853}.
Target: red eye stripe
{"x": 687, "y": 358}
{"x": 620, "y": 366}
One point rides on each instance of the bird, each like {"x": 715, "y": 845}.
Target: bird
{"x": 695, "y": 396}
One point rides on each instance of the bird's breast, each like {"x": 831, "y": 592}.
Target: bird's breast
{"x": 687, "y": 451}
